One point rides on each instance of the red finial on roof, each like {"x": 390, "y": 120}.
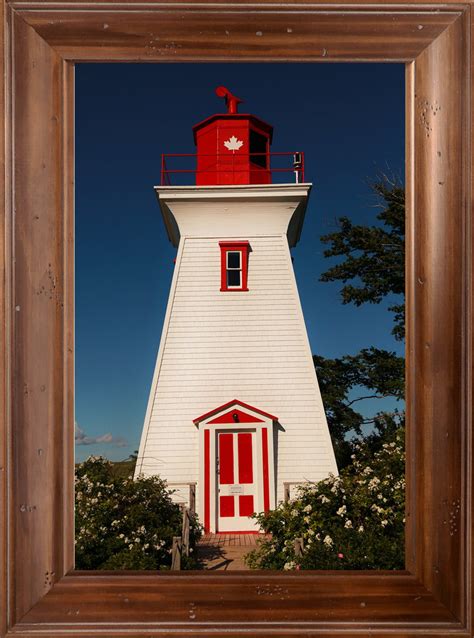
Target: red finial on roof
{"x": 232, "y": 101}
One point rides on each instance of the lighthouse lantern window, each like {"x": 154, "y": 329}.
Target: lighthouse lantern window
{"x": 258, "y": 149}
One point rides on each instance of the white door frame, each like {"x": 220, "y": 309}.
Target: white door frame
{"x": 238, "y": 523}
{"x": 264, "y": 469}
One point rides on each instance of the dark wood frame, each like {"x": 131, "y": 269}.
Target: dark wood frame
{"x": 39, "y": 592}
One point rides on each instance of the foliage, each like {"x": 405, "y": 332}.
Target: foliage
{"x": 354, "y": 521}
{"x": 374, "y": 263}
{"x": 375, "y": 373}
{"x": 123, "y": 469}
{"x": 123, "y": 523}
{"x": 374, "y": 256}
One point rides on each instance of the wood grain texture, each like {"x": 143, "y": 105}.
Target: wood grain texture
{"x": 41, "y": 485}
{"x": 217, "y": 35}
{"x": 268, "y": 598}
{"x": 438, "y": 343}
{"x": 5, "y": 305}
{"x": 434, "y": 597}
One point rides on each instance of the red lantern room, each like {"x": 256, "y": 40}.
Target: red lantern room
{"x": 232, "y": 147}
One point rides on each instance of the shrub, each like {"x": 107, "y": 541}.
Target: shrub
{"x": 353, "y": 521}
{"x": 123, "y": 523}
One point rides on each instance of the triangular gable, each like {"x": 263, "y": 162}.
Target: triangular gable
{"x": 231, "y": 408}
{"x": 236, "y": 416}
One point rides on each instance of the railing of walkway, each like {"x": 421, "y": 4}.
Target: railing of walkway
{"x": 180, "y": 545}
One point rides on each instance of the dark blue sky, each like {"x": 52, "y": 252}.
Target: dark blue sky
{"x": 347, "y": 118}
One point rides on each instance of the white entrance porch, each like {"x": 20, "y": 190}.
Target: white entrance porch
{"x": 236, "y": 460}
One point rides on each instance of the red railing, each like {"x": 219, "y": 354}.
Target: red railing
{"x": 227, "y": 165}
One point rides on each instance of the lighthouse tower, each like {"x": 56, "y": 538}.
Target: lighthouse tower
{"x": 235, "y": 416}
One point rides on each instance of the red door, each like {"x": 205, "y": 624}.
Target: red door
{"x": 236, "y": 481}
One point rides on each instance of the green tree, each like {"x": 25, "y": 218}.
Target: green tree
{"x": 374, "y": 374}
{"x": 374, "y": 256}
{"x": 372, "y": 268}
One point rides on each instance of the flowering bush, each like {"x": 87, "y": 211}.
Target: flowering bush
{"x": 123, "y": 523}
{"x": 354, "y": 521}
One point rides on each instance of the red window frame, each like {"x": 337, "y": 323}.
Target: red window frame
{"x": 234, "y": 246}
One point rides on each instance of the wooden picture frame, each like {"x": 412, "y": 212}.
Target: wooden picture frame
{"x": 40, "y": 594}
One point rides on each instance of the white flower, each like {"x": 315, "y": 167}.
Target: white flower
{"x": 311, "y": 532}
{"x": 341, "y": 511}
{"x": 307, "y": 509}
{"x": 323, "y": 499}
{"x": 290, "y": 565}
{"x": 348, "y": 523}
{"x": 130, "y": 546}
{"x": 373, "y": 483}
{"x": 361, "y": 529}
{"x": 328, "y": 541}
{"x": 384, "y": 523}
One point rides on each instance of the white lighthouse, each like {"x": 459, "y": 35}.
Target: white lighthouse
{"x": 235, "y": 410}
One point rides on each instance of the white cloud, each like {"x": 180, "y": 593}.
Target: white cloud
{"x": 81, "y": 438}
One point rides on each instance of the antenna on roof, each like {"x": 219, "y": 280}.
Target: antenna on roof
{"x": 232, "y": 101}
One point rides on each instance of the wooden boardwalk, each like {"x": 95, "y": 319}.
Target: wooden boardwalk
{"x": 225, "y": 551}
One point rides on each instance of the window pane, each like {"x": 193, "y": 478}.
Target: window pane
{"x": 233, "y": 260}
{"x": 258, "y": 144}
{"x": 233, "y": 277}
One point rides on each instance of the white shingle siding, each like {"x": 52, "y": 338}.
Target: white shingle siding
{"x": 217, "y": 346}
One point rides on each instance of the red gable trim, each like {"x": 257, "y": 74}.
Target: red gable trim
{"x": 230, "y": 404}
{"x": 238, "y": 243}
{"x": 235, "y": 416}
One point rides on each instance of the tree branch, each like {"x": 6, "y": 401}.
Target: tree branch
{"x": 370, "y": 396}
